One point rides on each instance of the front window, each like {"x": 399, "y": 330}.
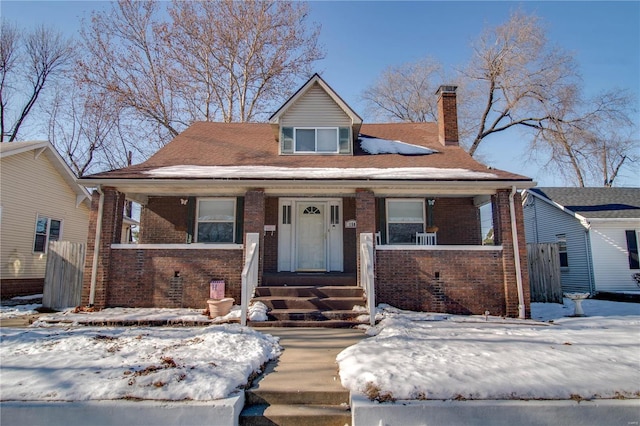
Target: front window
{"x": 404, "y": 219}
{"x": 47, "y": 229}
{"x": 216, "y": 220}
{"x": 561, "y": 239}
{"x": 322, "y": 140}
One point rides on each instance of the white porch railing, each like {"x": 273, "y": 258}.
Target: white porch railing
{"x": 249, "y": 273}
{"x": 367, "y": 277}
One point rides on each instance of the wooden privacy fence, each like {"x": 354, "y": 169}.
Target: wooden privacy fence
{"x": 63, "y": 275}
{"x": 544, "y": 272}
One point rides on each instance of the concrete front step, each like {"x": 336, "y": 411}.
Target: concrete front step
{"x": 310, "y": 291}
{"x": 317, "y": 303}
{"x": 305, "y": 324}
{"x": 312, "y": 315}
{"x": 295, "y": 415}
{"x": 308, "y": 279}
{"x": 304, "y": 397}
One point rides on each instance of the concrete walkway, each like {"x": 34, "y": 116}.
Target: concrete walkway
{"x": 303, "y": 386}
{"x": 308, "y": 362}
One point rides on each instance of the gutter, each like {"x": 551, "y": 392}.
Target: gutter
{"x": 516, "y": 254}
{"x": 96, "y": 248}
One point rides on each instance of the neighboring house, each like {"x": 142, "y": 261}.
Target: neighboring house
{"x": 307, "y": 184}
{"x": 597, "y": 231}
{"x": 40, "y": 202}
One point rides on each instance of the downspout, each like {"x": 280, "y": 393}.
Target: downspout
{"x": 516, "y": 254}
{"x": 587, "y": 248}
{"x": 96, "y": 248}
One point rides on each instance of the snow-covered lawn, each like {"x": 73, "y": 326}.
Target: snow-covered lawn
{"x": 158, "y": 363}
{"x": 437, "y": 356}
{"x": 409, "y": 356}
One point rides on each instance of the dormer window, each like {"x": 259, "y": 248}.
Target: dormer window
{"x": 315, "y": 140}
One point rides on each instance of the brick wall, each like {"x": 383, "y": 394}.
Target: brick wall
{"x": 365, "y": 219}
{"x": 254, "y": 220}
{"x": 453, "y": 281}
{"x": 146, "y": 278}
{"x": 457, "y": 219}
{"x": 111, "y": 232}
{"x": 349, "y": 235}
{"x": 163, "y": 221}
{"x": 271, "y": 241}
{"x": 502, "y": 236}
{"x": 11, "y": 287}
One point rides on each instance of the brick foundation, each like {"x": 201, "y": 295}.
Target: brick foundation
{"x": 20, "y": 287}
{"x": 452, "y": 281}
{"x": 163, "y": 278}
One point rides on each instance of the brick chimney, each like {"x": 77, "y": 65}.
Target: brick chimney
{"x": 447, "y": 116}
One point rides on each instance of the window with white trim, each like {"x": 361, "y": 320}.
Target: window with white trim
{"x": 318, "y": 139}
{"x": 47, "y": 229}
{"x": 561, "y": 239}
{"x": 216, "y": 220}
{"x": 405, "y": 217}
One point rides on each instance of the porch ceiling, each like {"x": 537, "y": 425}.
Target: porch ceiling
{"x": 139, "y": 190}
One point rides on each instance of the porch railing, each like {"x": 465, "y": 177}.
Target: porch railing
{"x": 249, "y": 274}
{"x": 367, "y": 277}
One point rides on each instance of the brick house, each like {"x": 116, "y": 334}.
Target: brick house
{"x": 313, "y": 188}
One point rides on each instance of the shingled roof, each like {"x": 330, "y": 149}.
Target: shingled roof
{"x": 605, "y": 203}
{"x": 252, "y": 145}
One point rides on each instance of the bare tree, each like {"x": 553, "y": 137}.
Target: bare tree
{"x": 28, "y": 65}
{"x": 589, "y": 142}
{"x": 209, "y": 61}
{"x": 242, "y": 56}
{"x": 405, "y": 92}
{"x": 515, "y": 73}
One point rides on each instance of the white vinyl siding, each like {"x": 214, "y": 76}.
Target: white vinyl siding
{"x": 30, "y": 187}
{"x": 315, "y": 109}
{"x": 611, "y": 257}
{"x": 548, "y": 222}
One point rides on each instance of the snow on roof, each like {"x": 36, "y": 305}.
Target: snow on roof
{"x": 376, "y": 146}
{"x": 270, "y": 172}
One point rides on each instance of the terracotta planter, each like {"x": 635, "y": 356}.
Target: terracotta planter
{"x": 219, "y": 307}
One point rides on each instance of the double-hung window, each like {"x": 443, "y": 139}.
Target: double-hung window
{"x": 321, "y": 139}
{"x": 561, "y": 239}
{"x": 216, "y": 220}
{"x": 405, "y": 217}
{"x": 47, "y": 229}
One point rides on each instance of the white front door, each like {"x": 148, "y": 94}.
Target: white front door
{"x": 311, "y": 236}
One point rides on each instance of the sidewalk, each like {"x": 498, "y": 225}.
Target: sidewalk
{"x": 308, "y": 362}
{"x": 303, "y": 386}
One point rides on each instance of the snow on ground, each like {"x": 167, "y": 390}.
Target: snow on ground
{"x": 19, "y": 306}
{"x": 257, "y": 312}
{"x": 438, "y": 356}
{"x": 376, "y": 146}
{"x": 158, "y": 363}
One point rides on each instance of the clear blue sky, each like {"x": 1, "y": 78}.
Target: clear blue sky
{"x": 362, "y": 38}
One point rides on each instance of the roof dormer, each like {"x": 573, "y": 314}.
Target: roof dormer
{"x": 315, "y": 120}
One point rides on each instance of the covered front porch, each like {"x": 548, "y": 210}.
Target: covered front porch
{"x": 181, "y": 249}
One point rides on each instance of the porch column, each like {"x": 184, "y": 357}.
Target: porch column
{"x": 503, "y": 236}
{"x": 113, "y": 209}
{"x": 365, "y": 219}
{"x": 254, "y": 211}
